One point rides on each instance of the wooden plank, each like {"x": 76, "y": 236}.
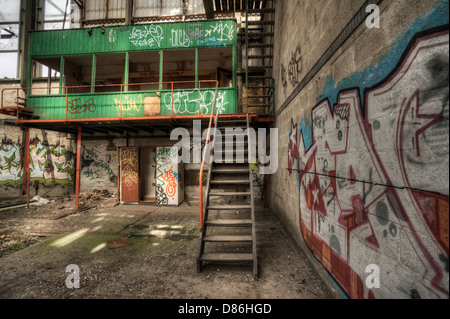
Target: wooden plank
{"x": 224, "y": 194}
{"x": 227, "y": 257}
{"x": 229, "y": 222}
{"x": 228, "y": 239}
{"x": 230, "y": 207}
{"x": 231, "y": 171}
{"x": 219, "y": 182}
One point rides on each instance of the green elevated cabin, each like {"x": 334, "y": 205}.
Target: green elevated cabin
{"x": 138, "y": 71}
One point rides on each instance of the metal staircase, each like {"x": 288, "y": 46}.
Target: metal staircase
{"x": 258, "y": 35}
{"x": 228, "y": 235}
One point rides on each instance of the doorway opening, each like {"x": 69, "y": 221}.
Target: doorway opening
{"x": 147, "y": 172}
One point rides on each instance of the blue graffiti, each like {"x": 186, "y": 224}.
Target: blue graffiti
{"x": 374, "y": 74}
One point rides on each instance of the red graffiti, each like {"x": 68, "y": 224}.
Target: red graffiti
{"x": 171, "y": 188}
{"x": 75, "y": 106}
{"x": 374, "y": 189}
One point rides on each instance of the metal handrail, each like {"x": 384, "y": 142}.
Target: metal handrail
{"x": 67, "y": 88}
{"x": 210, "y": 143}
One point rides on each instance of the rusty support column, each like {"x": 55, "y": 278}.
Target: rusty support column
{"x": 26, "y": 165}
{"x": 77, "y": 178}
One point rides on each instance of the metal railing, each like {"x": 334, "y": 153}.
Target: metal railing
{"x": 211, "y": 144}
{"x": 91, "y": 89}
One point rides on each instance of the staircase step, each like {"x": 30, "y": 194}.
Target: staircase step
{"x": 229, "y": 207}
{"x": 230, "y": 182}
{"x": 228, "y": 239}
{"x": 259, "y": 87}
{"x": 259, "y": 77}
{"x": 253, "y": 57}
{"x": 269, "y": 10}
{"x": 261, "y": 22}
{"x": 260, "y": 68}
{"x": 231, "y": 127}
{"x": 258, "y": 105}
{"x": 260, "y": 46}
{"x": 233, "y": 122}
{"x": 230, "y": 223}
{"x": 227, "y": 257}
{"x": 225, "y": 194}
{"x": 257, "y": 35}
{"x": 259, "y": 96}
{"x": 231, "y": 171}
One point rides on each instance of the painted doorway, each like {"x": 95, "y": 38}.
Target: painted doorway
{"x": 148, "y": 174}
{"x": 129, "y": 175}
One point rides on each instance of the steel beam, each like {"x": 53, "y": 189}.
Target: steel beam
{"x": 209, "y": 9}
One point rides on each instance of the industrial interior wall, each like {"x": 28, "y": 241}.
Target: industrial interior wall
{"x": 100, "y": 165}
{"x": 363, "y": 178}
{"x": 51, "y": 164}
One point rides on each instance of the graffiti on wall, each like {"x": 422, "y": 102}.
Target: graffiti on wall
{"x": 129, "y": 105}
{"x": 11, "y": 171}
{"x": 77, "y": 107}
{"x": 149, "y": 36}
{"x": 130, "y": 177}
{"x": 49, "y": 164}
{"x": 96, "y": 167}
{"x": 167, "y": 178}
{"x": 361, "y": 179}
{"x": 152, "y": 36}
{"x": 294, "y": 68}
{"x": 186, "y": 102}
{"x": 213, "y": 36}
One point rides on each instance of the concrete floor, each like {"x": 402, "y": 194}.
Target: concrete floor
{"x": 40, "y": 242}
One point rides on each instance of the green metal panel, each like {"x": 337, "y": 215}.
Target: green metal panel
{"x": 108, "y": 105}
{"x": 186, "y": 102}
{"x": 199, "y": 34}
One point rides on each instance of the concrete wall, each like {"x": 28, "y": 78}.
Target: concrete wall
{"x": 364, "y": 145}
{"x": 52, "y": 162}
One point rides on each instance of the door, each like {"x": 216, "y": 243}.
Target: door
{"x": 129, "y": 163}
{"x": 148, "y": 174}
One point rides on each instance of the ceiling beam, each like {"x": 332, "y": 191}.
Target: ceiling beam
{"x": 145, "y": 129}
{"x": 209, "y": 9}
{"x": 116, "y": 130}
{"x": 129, "y": 129}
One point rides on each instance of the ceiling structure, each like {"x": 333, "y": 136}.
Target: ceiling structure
{"x": 213, "y": 7}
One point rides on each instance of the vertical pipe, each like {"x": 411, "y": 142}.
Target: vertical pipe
{"x": 127, "y": 67}
{"x": 94, "y": 66}
{"x": 30, "y": 76}
{"x": 49, "y": 81}
{"x": 234, "y": 75}
{"x": 196, "y": 67}
{"x": 129, "y": 12}
{"x": 67, "y": 103}
{"x": 199, "y": 99}
{"x": 26, "y": 164}
{"x": 118, "y": 175}
{"x": 121, "y": 100}
{"x": 172, "y": 99}
{"x": 246, "y": 42}
{"x": 65, "y": 14}
{"x": 161, "y": 78}
{"x": 77, "y": 177}
{"x": 61, "y": 74}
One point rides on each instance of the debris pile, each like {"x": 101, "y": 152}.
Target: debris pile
{"x": 96, "y": 194}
